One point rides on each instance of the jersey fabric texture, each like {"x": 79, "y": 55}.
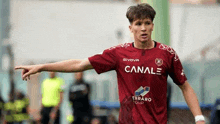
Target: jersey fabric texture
{"x": 142, "y": 80}
{"x": 51, "y": 89}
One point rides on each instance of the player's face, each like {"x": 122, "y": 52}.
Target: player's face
{"x": 142, "y": 29}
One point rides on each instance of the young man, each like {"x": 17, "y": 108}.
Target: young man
{"x": 142, "y": 68}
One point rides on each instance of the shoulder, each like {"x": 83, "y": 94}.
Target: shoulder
{"x": 167, "y": 49}
{"x": 46, "y": 80}
{"x": 60, "y": 79}
{"x": 119, "y": 47}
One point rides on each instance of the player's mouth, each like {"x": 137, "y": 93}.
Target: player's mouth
{"x": 144, "y": 36}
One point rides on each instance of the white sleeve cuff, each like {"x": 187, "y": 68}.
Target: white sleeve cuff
{"x": 199, "y": 118}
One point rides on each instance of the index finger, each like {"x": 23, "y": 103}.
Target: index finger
{"x": 19, "y": 67}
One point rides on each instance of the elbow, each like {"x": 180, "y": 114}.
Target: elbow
{"x": 82, "y": 66}
{"x": 75, "y": 67}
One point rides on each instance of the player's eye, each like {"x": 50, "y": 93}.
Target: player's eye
{"x": 138, "y": 23}
{"x": 147, "y": 23}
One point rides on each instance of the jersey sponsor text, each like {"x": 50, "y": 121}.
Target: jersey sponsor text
{"x": 143, "y": 70}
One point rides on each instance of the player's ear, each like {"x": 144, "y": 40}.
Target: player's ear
{"x": 152, "y": 27}
{"x": 130, "y": 27}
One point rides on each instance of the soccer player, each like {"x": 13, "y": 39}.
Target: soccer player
{"x": 142, "y": 68}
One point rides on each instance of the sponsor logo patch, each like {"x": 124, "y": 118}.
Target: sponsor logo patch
{"x": 140, "y": 93}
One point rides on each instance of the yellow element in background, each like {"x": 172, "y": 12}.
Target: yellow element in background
{"x": 70, "y": 118}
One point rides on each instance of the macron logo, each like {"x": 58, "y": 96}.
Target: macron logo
{"x": 130, "y": 60}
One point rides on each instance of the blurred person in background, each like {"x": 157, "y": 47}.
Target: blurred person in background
{"x": 142, "y": 69}
{"x": 9, "y": 110}
{"x": 21, "y": 108}
{"x": 215, "y": 112}
{"x": 111, "y": 119}
{"x": 52, "y": 90}
{"x": 79, "y": 93}
{"x": 1, "y": 109}
{"x": 96, "y": 121}
{"x": 35, "y": 117}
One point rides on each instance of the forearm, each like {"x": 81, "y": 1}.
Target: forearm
{"x": 192, "y": 101}
{"x": 56, "y": 108}
{"x": 41, "y": 104}
{"x": 73, "y": 65}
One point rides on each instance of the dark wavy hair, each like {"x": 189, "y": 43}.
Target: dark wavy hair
{"x": 140, "y": 11}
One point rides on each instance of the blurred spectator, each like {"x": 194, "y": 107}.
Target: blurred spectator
{"x": 96, "y": 121}
{"x": 69, "y": 116}
{"x": 1, "y": 109}
{"x": 52, "y": 96}
{"x": 215, "y": 112}
{"x": 111, "y": 119}
{"x": 9, "y": 110}
{"x": 21, "y": 108}
{"x": 35, "y": 116}
{"x": 79, "y": 97}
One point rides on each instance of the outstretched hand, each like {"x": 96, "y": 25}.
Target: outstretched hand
{"x": 28, "y": 70}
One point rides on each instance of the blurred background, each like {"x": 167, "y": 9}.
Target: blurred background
{"x": 41, "y": 31}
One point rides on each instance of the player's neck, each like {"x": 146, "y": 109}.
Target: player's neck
{"x": 144, "y": 45}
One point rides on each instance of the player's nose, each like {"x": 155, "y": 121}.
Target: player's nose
{"x": 143, "y": 28}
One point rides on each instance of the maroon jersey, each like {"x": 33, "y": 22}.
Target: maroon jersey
{"x": 142, "y": 80}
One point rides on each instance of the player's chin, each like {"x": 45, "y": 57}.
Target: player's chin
{"x": 143, "y": 40}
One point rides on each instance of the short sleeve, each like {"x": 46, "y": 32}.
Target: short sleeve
{"x": 104, "y": 62}
{"x": 176, "y": 70}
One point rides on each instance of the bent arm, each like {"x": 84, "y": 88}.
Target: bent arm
{"x": 191, "y": 98}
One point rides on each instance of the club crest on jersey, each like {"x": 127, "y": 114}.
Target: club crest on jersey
{"x": 139, "y": 95}
{"x": 158, "y": 62}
